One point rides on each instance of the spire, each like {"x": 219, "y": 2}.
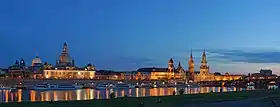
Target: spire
{"x": 179, "y": 65}
{"x": 180, "y": 68}
{"x": 73, "y": 62}
{"x": 171, "y": 60}
{"x": 191, "y": 56}
{"x": 204, "y": 57}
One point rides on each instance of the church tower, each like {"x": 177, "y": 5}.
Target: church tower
{"x": 170, "y": 69}
{"x": 191, "y": 68}
{"x": 204, "y": 69}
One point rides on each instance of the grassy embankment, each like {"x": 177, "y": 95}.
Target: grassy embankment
{"x": 167, "y": 101}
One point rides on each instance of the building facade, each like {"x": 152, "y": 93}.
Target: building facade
{"x": 162, "y": 73}
{"x": 265, "y": 74}
{"x": 65, "y": 68}
{"x": 204, "y": 74}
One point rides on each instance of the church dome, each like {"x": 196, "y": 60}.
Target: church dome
{"x": 36, "y": 61}
{"x": 65, "y": 58}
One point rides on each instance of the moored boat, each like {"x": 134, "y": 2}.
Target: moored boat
{"x": 102, "y": 86}
{"x": 7, "y": 88}
{"x": 55, "y": 87}
{"x": 123, "y": 86}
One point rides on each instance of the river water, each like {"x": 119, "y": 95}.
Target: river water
{"x": 88, "y": 94}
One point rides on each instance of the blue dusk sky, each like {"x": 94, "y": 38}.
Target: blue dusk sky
{"x": 239, "y": 36}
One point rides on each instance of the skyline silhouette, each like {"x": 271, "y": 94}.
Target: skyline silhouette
{"x": 238, "y": 36}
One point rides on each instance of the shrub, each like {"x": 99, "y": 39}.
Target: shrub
{"x": 112, "y": 95}
{"x": 181, "y": 91}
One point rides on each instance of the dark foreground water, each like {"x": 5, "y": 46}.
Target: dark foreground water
{"x": 88, "y": 94}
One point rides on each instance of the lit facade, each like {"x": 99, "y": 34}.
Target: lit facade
{"x": 161, "y": 73}
{"x": 204, "y": 74}
{"x": 65, "y": 68}
{"x": 265, "y": 74}
{"x": 69, "y": 74}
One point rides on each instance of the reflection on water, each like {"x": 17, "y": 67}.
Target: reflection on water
{"x": 87, "y": 94}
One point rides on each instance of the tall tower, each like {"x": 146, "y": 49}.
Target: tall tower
{"x": 171, "y": 65}
{"x": 170, "y": 69}
{"x": 204, "y": 69}
{"x": 191, "y": 68}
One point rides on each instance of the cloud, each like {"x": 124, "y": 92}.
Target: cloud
{"x": 246, "y": 56}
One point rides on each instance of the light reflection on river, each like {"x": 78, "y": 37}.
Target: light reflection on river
{"x": 87, "y": 94}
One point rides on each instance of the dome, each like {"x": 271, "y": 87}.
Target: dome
{"x": 65, "y": 58}
{"x": 36, "y": 61}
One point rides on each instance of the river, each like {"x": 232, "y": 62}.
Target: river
{"x": 88, "y": 94}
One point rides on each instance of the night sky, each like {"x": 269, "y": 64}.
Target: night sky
{"x": 239, "y": 36}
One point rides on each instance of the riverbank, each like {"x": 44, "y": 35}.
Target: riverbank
{"x": 167, "y": 101}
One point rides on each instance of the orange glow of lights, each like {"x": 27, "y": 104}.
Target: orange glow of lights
{"x": 32, "y": 96}
{"x": 42, "y": 96}
{"x": 6, "y": 96}
{"x": 19, "y": 95}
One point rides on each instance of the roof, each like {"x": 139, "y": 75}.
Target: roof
{"x": 152, "y": 69}
{"x": 265, "y": 70}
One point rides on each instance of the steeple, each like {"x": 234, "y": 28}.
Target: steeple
{"x": 73, "y": 62}
{"x": 171, "y": 60}
{"x": 204, "y": 57}
{"x": 170, "y": 69}
{"x": 204, "y": 69}
{"x": 180, "y": 68}
{"x": 191, "y": 58}
{"x": 179, "y": 65}
{"x": 191, "y": 63}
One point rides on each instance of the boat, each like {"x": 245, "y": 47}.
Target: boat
{"x": 55, "y": 87}
{"x": 7, "y": 88}
{"x": 89, "y": 85}
{"x": 101, "y": 86}
{"x": 123, "y": 86}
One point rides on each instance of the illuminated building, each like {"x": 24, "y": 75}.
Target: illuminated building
{"x": 264, "y": 74}
{"x": 19, "y": 69}
{"x": 204, "y": 74}
{"x": 161, "y": 73}
{"x": 37, "y": 67}
{"x": 65, "y": 68}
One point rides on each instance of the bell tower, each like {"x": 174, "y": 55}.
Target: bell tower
{"x": 204, "y": 68}
{"x": 170, "y": 69}
{"x": 191, "y": 68}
